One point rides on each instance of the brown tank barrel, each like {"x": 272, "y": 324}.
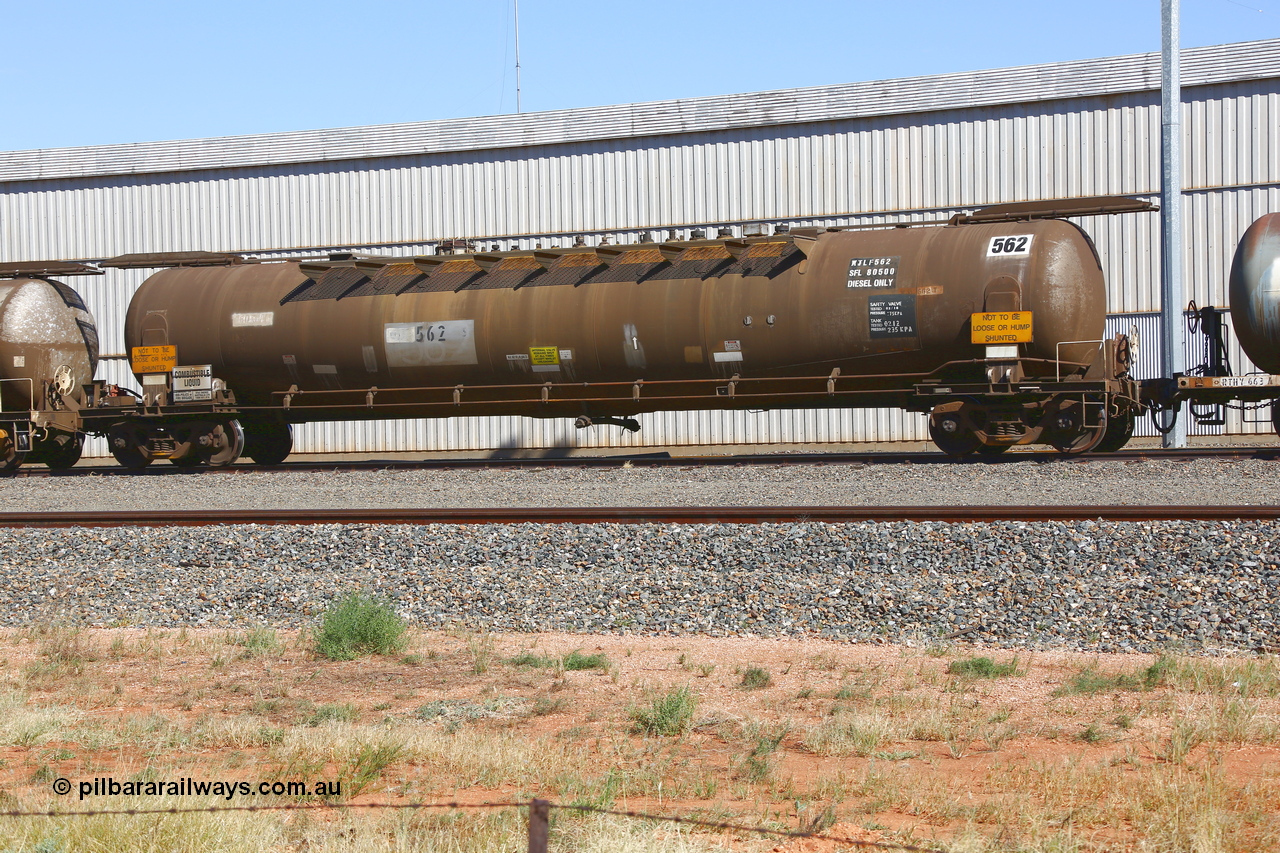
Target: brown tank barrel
{"x": 868, "y": 302}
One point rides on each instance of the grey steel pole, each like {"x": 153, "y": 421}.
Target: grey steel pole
{"x": 1172, "y": 296}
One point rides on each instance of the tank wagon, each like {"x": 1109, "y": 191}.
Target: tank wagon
{"x": 48, "y": 355}
{"x": 992, "y": 323}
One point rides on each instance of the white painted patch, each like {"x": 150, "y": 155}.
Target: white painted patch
{"x": 727, "y": 356}
{"x": 255, "y": 318}
{"x": 434, "y": 343}
{"x": 19, "y": 361}
{"x": 399, "y": 333}
{"x": 154, "y": 379}
{"x": 546, "y": 368}
{"x": 1003, "y": 247}
{"x": 370, "y": 359}
{"x": 328, "y": 369}
{"x": 632, "y": 349}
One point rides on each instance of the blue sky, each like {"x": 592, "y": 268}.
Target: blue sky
{"x": 89, "y": 73}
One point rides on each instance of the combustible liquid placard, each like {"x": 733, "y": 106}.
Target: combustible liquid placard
{"x": 1002, "y": 327}
{"x": 153, "y": 359}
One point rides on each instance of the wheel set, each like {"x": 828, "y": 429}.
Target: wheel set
{"x": 1070, "y": 426}
{"x": 197, "y": 443}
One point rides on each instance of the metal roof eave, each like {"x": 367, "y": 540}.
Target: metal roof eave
{"x": 1023, "y": 84}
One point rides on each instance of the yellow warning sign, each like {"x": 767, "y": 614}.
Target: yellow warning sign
{"x": 1002, "y": 327}
{"x": 544, "y": 355}
{"x": 153, "y": 359}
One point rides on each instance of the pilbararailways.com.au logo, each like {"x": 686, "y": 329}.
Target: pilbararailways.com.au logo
{"x": 188, "y": 787}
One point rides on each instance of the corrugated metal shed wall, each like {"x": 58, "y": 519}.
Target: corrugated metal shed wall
{"x": 918, "y": 166}
{"x": 900, "y": 164}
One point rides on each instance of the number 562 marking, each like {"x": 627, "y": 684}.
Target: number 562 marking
{"x": 1017, "y": 245}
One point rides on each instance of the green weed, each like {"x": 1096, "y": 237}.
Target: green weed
{"x": 357, "y": 626}
{"x": 1090, "y": 681}
{"x": 573, "y": 661}
{"x": 576, "y": 660}
{"x": 344, "y": 712}
{"x": 367, "y": 762}
{"x": 669, "y": 714}
{"x": 257, "y": 641}
{"x": 983, "y": 668}
{"x": 1092, "y": 734}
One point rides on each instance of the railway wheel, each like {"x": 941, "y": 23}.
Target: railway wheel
{"x": 214, "y": 443}
{"x": 948, "y": 431}
{"x": 1119, "y": 431}
{"x": 59, "y": 452}
{"x": 1071, "y": 436}
{"x": 267, "y": 442}
{"x": 128, "y": 444}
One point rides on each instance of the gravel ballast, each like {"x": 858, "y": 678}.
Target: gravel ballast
{"x": 1104, "y": 586}
{"x": 1057, "y": 482}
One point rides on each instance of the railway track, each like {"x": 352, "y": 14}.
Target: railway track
{"x": 661, "y": 460}
{"x": 641, "y": 515}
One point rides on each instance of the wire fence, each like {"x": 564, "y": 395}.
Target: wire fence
{"x": 539, "y": 822}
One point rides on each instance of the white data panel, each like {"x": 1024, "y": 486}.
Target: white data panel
{"x": 430, "y": 343}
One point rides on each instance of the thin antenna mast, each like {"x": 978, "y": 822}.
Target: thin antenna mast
{"x": 517, "y": 6}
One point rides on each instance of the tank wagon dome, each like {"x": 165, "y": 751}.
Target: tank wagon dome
{"x": 1255, "y": 292}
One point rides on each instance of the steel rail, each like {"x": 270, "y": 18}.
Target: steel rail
{"x": 662, "y": 459}
{"x": 638, "y": 515}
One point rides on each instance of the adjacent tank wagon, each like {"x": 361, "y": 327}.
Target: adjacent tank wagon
{"x": 48, "y": 355}
{"x": 1254, "y": 291}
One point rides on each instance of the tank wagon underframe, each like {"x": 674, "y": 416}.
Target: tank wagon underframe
{"x": 911, "y": 392}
